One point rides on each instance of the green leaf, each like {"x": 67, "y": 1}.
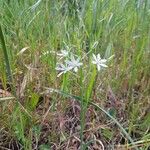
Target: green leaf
{"x": 91, "y": 84}
{"x": 44, "y": 147}
{"x": 107, "y": 133}
{"x": 33, "y": 101}
{"x": 6, "y": 58}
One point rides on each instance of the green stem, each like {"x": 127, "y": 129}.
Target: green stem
{"x": 84, "y": 104}
{"x": 82, "y": 110}
{"x": 6, "y": 58}
{"x": 91, "y": 84}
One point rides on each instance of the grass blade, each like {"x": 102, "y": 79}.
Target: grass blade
{"x": 6, "y": 58}
{"x": 6, "y": 98}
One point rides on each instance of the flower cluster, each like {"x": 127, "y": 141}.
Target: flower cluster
{"x": 73, "y": 63}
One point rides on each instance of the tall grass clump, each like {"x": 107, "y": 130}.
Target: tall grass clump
{"x": 79, "y": 71}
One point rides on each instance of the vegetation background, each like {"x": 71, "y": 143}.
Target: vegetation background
{"x": 87, "y": 110}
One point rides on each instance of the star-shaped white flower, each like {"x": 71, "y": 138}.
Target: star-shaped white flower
{"x": 63, "y": 69}
{"x": 98, "y": 61}
{"x": 74, "y": 63}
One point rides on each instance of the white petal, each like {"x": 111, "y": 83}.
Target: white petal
{"x": 63, "y": 53}
{"x": 103, "y": 65}
{"x": 76, "y": 69}
{"x": 80, "y": 64}
{"x": 98, "y": 57}
{"x": 94, "y": 62}
{"x": 59, "y": 74}
{"x": 94, "y": 57}
{"x": 98, "y": 67}
{"x": 59, "y": 54}
{"x": 59, "y": 68}
{"x": 67, "y": 61}
{"x": 69, "y": 68}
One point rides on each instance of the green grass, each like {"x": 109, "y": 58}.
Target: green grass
{"x": 121, "y": 91}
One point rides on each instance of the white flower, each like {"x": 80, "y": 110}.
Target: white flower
{"x": 74, "y": 63}
{"x": 64, "y": 53}
{"x": 63, "y": 69}
{"x": 70, "y": 64}
{"x": 99, "y": 62}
